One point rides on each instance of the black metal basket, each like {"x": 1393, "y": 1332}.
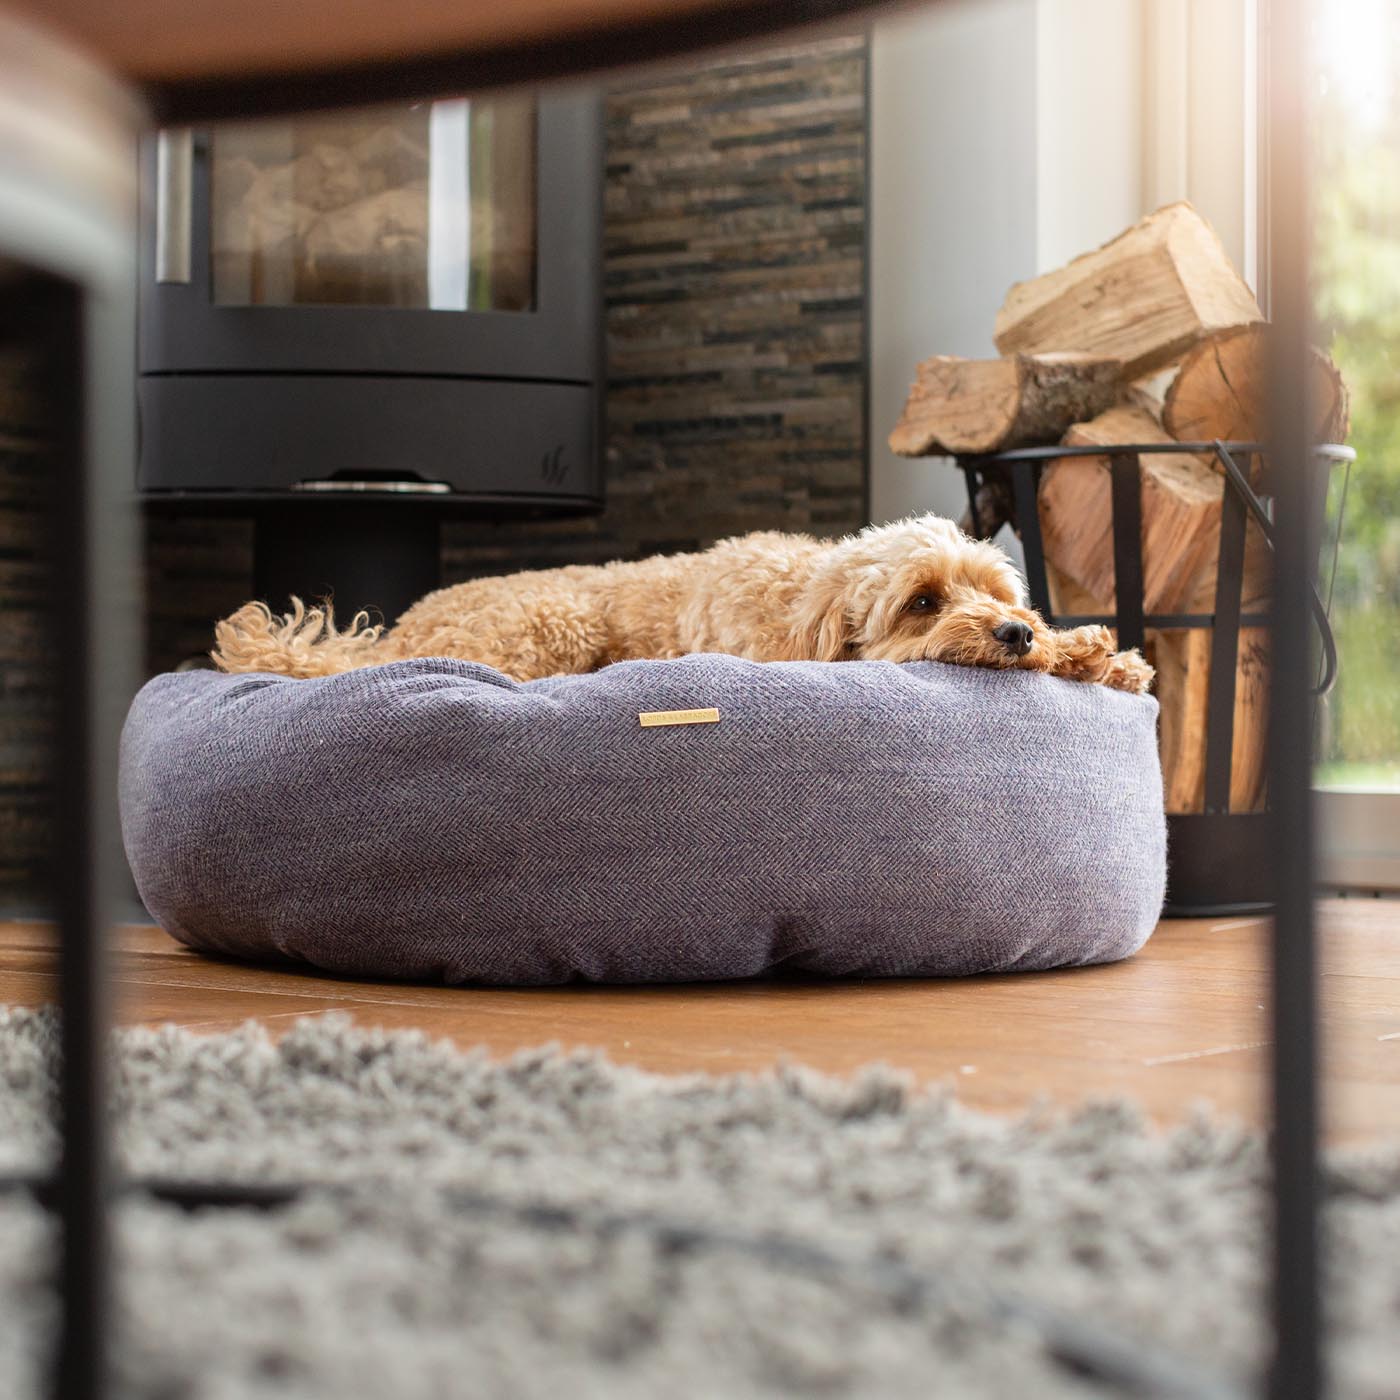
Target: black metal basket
{"x": 1218, "y": 858}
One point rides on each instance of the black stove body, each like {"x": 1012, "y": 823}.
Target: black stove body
{"x": 352, "y": 327}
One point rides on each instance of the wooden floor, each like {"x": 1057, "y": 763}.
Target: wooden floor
{"x": 1182, "y": 1022}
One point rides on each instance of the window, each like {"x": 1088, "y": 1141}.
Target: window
{"x": 1357, "y": 287}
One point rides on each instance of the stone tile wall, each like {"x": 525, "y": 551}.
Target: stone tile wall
{"x": 733, "y": 279}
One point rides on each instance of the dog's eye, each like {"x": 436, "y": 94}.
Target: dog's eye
{"x": 922, "y": 603}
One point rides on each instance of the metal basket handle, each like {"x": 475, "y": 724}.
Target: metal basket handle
{"x": 1255, "y": 506}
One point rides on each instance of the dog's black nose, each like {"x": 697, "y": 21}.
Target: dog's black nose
{"x": 1014, "y": 636}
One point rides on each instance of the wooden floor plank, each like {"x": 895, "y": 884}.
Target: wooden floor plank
{"x": 1183, "y": 1023}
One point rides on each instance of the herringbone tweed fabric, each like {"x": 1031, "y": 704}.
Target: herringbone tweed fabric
{"x": 433, "y": 819}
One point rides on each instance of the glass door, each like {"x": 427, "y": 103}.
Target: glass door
{"x": 428, "y": 207}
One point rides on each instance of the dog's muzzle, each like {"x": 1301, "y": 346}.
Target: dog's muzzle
{"x": 1016, "y": 637}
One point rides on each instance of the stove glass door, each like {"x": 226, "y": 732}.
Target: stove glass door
{"x": 429, "y": 207}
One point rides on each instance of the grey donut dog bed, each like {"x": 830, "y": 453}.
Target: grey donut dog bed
{"x": 434, "y": 819}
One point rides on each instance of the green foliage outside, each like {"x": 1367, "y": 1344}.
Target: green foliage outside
{"x": 1357, "y": 281}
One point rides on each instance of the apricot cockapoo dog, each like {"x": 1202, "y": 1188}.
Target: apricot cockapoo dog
{"x": 915, "y": 590}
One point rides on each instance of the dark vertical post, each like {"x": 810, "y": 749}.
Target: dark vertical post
{"x": 1126, "y": 475}
{"x": 973, "y": 479}
{"x": 1297, "y": 1372}
{"x": 90, "y": 351}
{"x": 76, "y": 861}
{"x": 1023, "y": 477}
{"x": 1224, "y": 652}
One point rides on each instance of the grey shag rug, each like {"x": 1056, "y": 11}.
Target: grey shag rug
{"x": 557, "y": 1226}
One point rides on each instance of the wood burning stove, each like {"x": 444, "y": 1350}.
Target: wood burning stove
{"x": 353, "y": 324}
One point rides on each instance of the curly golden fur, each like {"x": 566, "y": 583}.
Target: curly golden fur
{"x": 918, "y": 589}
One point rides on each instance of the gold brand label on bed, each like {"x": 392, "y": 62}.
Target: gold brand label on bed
{"x": 652, "y": 719}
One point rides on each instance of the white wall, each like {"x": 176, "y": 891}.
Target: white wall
{"x": 952, "y": 209}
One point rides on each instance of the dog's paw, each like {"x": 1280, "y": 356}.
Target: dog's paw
{"x": 1127, "y": 670}
{"x": 1082, "y": 654}
{"x": 1087, "y": 654}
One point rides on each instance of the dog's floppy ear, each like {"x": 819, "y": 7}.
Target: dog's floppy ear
{"x": 822, "y": 629}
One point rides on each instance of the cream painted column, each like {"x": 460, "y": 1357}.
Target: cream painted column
{"x": 1200, "y": 117}
{"x": 1141, "y": 104}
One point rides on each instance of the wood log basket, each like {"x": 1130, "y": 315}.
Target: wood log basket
{"x": 1209, "y": 644}
{"x": 1144, "y": 361}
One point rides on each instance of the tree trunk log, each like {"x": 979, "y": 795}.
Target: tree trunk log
{"x": 1219, "y": 391}
{"x": 974, "y": 406}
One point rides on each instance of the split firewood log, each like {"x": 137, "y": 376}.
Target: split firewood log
{"x": 1249, "y": 762}
{"x": 1180, "y": 493}
{"x": 1144, "y": 298}
{"x": 1182, "y": 496}
{"x": 377, "y": 228}
{"x": 1219, "y": 390}
{"x": 391, "y": 156}
{"x": 1182, "y": 658}
{"x": 328, "y": 177}
{"x": 1182, "y": 687}
{"x": 973, "y": 406}
{"x": 1069, "y": 599}
{"x": 1256, "y": 586}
